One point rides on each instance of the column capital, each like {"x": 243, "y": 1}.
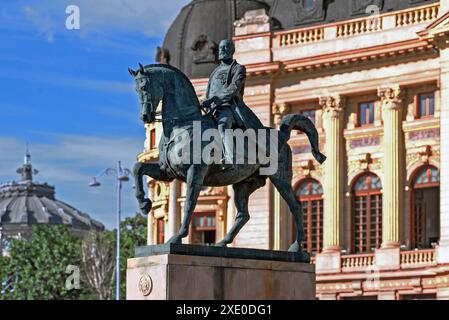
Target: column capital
{"x": 391, "y": 97}
{"x": 281, "y": 109}
{"x": 332, "y": 105}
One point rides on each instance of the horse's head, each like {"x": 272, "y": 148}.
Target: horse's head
{"x": 150, "y": 92}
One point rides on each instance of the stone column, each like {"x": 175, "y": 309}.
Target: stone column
{"x": 443, "y": 248}
{"x": 150, "y": 229}
{"x": 391, "y": 102}
{"x": 174, "y": 212}
{"x": 150, "y": 220}
{"x": 333, "y": 168}
{"x": 281, "y": 231}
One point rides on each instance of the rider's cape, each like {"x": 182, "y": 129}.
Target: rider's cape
{"x": 233, "y": 95}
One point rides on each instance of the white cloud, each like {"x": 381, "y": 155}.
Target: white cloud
{"x": 150, "y": 17}
{"x": 69, "y": 162}
{"x": 41, "y": 22}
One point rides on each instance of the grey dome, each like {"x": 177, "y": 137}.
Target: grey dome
{"x": 191, "y": 43}
{"x": 26, "y": 203}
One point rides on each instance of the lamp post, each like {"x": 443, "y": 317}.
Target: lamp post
{"x": 121, "y": 175}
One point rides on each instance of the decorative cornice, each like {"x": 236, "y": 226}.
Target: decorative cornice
{"x": 344, "y": 58}
{"x": 350, "y": 57}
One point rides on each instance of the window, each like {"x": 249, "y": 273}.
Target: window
{"x": 425, "y": 215}
{"x": 366, "y": 113}
{"x": 160, "y": 230}
{"x": 367, "y": 213}
{"x": 204, "y": 228}
{"x": 426, "y": 105}
{"x": 310, "y": 193}
{"x": 153, "y": 138}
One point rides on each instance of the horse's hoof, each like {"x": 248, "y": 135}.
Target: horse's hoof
{"x": 222, "y": 244}
{"x": 296, "y": 248}
{"x": 145, "y": 206}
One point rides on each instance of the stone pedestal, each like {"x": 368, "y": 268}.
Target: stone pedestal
{"x": 188, "y": 272}
{"x": 328, "y": 262}
{"x": 388, "y": 259}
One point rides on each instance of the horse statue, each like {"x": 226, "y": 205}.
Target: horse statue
{"x": 180, "y": 109}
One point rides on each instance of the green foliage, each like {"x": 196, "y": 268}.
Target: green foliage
{"x": 41, "y": 264}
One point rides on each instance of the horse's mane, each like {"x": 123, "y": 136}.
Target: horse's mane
{"x": 174, "y": 69}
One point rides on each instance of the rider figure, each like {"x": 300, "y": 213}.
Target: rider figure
{"x": 224, "y": 96}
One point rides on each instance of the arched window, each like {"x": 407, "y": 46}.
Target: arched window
{"x": 425, "y": 213}
{"x": 310, "y": 193}
{"x": 367, "y": 213}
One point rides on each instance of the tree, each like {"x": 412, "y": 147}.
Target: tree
{"x": 98, "y": 263}
{"x": 41, "y": 265}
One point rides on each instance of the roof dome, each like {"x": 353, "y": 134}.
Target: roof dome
{"x": 191, "y": 43}
{"x": 26, "y": 203}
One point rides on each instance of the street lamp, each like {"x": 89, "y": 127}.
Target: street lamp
{"x": 121, "y": 175}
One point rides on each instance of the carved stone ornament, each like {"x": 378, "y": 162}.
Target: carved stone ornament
{"x": 281, "y": 109}
{"x": 391, "y": 97}
{"x": 366, "y": 6}
{"x": 145, "y": 285}
{"x": 332, "y": 105}
{"x": 204, "y": 50}
{"x": 313, "y": 14}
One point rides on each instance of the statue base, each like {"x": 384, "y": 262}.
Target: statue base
{"x": 191, "y": 272}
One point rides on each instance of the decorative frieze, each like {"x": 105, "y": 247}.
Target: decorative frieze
{"x": 365, "y": 162}
{"x": 364, "y": 142}
{"x": 301, "y": 149}
{"x": 424, "y": 134}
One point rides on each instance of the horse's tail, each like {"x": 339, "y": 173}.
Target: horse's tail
{"x": 301, "y": 123}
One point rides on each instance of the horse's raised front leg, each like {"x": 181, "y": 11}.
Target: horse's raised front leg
{"x": 147, "y": 169}
{"x": 195, "y": 179}
{"x": 242, "y": 191}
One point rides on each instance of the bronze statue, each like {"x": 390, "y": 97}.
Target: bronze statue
{"x": 181, "y": 112}
{"x": 224, "y": 96}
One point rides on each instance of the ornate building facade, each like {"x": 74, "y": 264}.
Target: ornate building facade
{"x": 374, "y": 77}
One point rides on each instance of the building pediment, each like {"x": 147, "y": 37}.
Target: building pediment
{"x": 438, "y": 29}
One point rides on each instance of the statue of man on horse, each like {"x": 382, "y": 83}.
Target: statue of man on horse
{"x": 181, "y": 111}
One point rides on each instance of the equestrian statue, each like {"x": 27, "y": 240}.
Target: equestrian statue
{"x": 223, "y": 110}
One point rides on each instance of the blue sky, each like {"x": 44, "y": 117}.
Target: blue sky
{"x": 69, "y": 95}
